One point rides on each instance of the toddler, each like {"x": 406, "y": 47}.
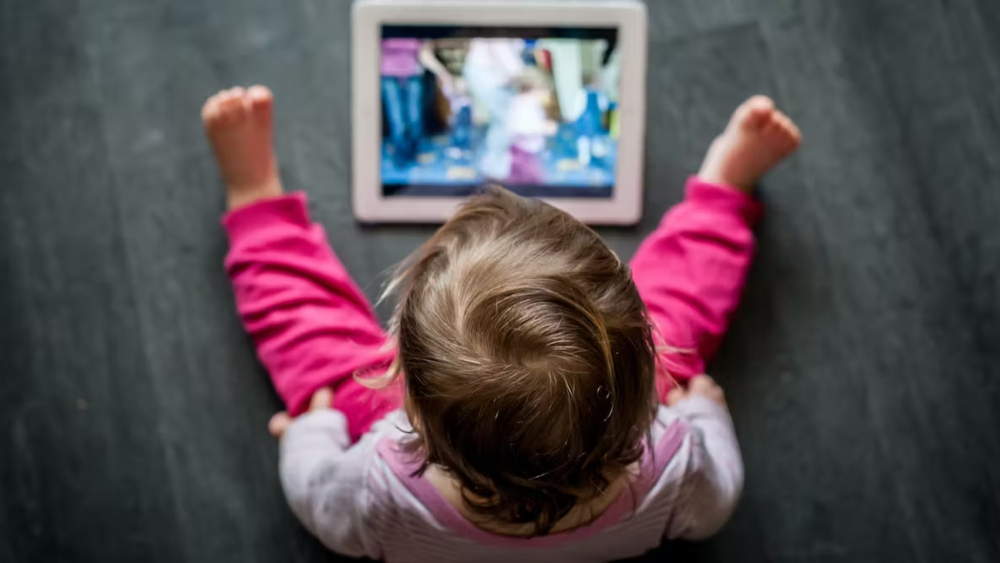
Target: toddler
{"x": 541, "y": 421}
{"x": 528, "y": 127}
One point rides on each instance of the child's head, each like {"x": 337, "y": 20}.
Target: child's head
{"x": 527, "y": 357}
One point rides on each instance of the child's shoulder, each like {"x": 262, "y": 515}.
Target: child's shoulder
{"x": 388, "y": 439}
{"x": 395, "y": 428}
{"x": 668, "y": 421}
{"x": 665, "y": 460}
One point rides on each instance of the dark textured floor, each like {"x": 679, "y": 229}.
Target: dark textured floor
{"x": 863, "y": 371}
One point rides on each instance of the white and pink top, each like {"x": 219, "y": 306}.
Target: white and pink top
{"x": 362, "y": 500}
{"x": 341, "y": 468}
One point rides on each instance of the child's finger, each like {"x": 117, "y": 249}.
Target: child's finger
{"x": 707, "y": 387}
{"x": 279, "y": 424}
{"x": 701, "y": 384}
{"x": 321, "y": 399}
{"x": 675, "y": 395}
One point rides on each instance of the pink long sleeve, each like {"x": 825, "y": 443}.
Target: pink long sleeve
{"x": 311, "y": 324}
{"x": 690, "y": 272}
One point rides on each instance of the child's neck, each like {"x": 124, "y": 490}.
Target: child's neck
{"x": 580, "y": 515}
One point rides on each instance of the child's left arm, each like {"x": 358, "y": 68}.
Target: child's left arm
{"x": 690, "y": 273}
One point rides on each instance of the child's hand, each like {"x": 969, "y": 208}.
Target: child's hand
{"x": 280, "y": 422}
{"x": 700, "y": 386}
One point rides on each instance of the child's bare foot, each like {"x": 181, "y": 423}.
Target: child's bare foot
{"x": 758, "y": 137}
{"x": 238, "y": 125}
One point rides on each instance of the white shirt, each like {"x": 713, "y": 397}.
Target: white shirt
{"x": 361, "y": 500}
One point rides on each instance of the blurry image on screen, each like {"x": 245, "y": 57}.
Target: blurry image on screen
{"x": 534, "y": 109}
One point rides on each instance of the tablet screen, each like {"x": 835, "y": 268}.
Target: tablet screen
{"x": 534, "y": 109}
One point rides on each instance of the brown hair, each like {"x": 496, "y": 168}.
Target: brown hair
{"x": 527, "y": 357}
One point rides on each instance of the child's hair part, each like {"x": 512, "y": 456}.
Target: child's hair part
{"x": 527, "y": 357}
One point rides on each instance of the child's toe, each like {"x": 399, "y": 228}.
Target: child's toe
{"x": 232, "y": 110}
{"x": 260, "y": 94}
{"x": 782, "y": 119}
{"x": 209, "y": 110}
{"x": 261, "y": 102}
{"x": 788, "y": 128}
{"x": 771, "y": 126}
{"x": 757, "y": 105}
{"x": 755, "y": 112}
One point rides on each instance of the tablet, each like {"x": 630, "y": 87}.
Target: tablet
{"x": 544, "y": 97}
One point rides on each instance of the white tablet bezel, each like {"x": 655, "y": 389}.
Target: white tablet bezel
{"x": 624, "y": 207}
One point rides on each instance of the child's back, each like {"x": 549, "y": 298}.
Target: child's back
{"x": 529, "y": 367}
{"x": 532, "y": 427}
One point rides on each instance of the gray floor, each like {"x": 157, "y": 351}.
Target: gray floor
{"x": 863, "y": 370}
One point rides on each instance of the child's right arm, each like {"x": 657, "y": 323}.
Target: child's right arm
{"x": 711, "y": 481}
{"x": 326, "y": 482}
{"x": 311, "y": 324}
